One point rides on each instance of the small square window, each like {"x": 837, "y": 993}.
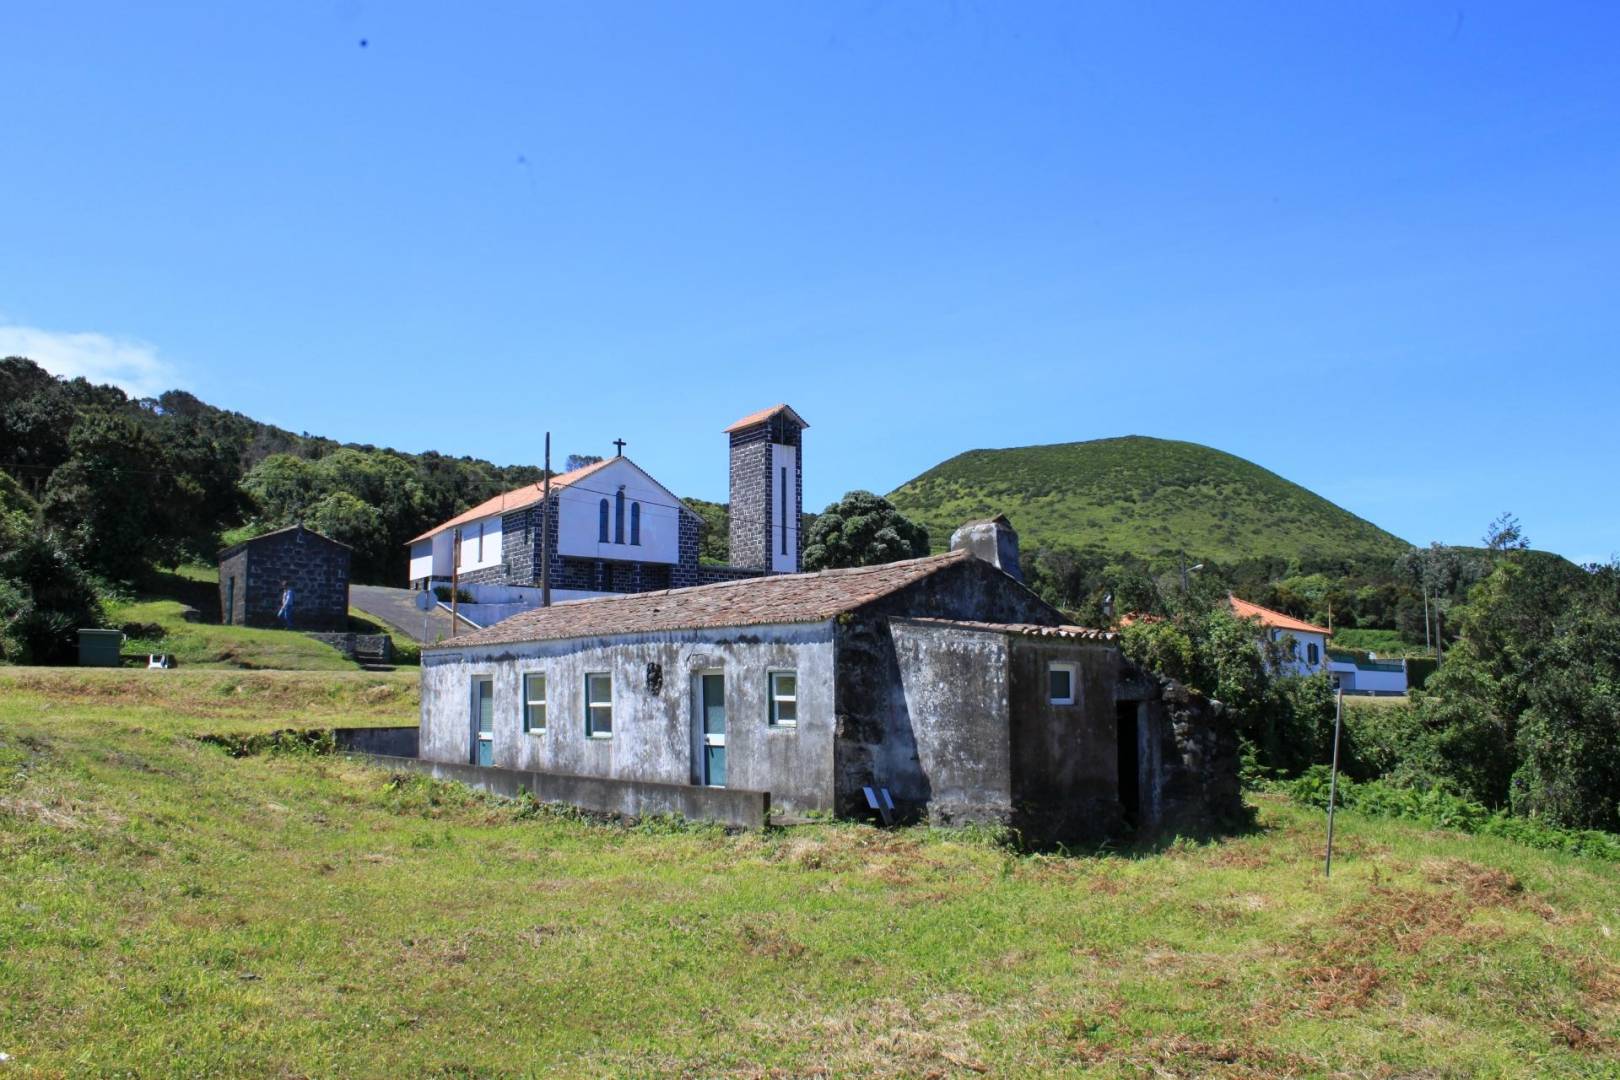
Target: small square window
{"x": 599, "y": 705}
{"x": 1060, "y": 684}
{"x": 534, "y": 703}
{"x": 784, "y": 699}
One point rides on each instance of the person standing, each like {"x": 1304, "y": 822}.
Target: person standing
{"x": 285, "y": 612}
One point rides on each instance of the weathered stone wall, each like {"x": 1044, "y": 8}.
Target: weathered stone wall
{"x": 945, "y": 749}
{"x": 1195, "y": 786}
{"x": 351, "y": 645}
{"x": 655, "y": 737}
{"x": 317, "y": 569}
{"x": 871, "y": 728}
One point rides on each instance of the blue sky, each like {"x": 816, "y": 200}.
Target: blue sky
{"x": 1372, "y": 247}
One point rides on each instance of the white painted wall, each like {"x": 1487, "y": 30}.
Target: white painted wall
{"x": 1301, "y": 664}
{"x": 431, "y": 557}
{"x": 471, "y": 559}
{"x": 578, "y": 517}
{"x": 784, "y": 546}
{"x": 421, "y": 559}
{"x": 1359, "y": 680}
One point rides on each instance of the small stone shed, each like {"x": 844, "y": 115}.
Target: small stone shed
{"x": 942, "y": 680}
{"x": 252, "y": 574}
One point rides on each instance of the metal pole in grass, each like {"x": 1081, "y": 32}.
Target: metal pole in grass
{"x": 1333, "y": 781}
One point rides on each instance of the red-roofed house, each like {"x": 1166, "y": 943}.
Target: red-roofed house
{"x": 1309, "y": 640}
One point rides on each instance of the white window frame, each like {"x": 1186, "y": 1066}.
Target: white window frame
{"x": 1073, "y": 671}
{"x": 775, "y": 699}
{"x": 530, "y": 701}
{"x": 591, "y": 707}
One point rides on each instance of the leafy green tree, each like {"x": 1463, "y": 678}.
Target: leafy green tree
{"x": 44, "y": 595}
{"x": 351, "y": 520}
{"x": 862, "y": 529}
{"x": 284, "y": 487}
{"x": 108, "y": 500}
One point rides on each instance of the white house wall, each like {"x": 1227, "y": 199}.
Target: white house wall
{"x": 431, "y": 557}
{"x": 1300, "y": 663}
{"x": 476, "y": 555}
{"x": 654, "y": 733}
{"x": 579, "y": 516}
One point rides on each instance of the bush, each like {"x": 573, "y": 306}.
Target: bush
{"x": 1443, "y": 809}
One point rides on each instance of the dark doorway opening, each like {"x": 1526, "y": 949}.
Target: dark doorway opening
{"x": 1130, "y": 783}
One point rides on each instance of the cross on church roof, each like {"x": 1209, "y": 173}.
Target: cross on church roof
{"x": 620, "y": 444}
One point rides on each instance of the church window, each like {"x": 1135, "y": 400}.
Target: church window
{"x": 618, "y": 517}
{"x": 602, "y": 522}
{"x": 635, "y": 523}
{"x": 1313, "y": 655}
{"x": 784, "y": 509}
{"x": 480, "y": 541}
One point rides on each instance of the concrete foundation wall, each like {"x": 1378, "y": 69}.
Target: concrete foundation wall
{"x": 655, "y": 733}
{"x": 632, "y": 798}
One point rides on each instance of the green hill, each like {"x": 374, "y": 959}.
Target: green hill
{"x": 1142, "y": 496}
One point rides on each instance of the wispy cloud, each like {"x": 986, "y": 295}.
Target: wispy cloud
{"x": 134, "y": 366}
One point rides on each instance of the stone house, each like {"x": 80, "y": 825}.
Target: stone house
{"x": 253, "y": 574}
{"x": 610, "y": 528}
{"x": 942, "y": 683}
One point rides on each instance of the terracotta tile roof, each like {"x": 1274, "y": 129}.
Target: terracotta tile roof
{"x": 516, "y": 499}
{"x": 783, "y": 598}
{"x": 1084, "y": 633}
{"x": 1274, "y": 619}
{"x": 763, "y": 415}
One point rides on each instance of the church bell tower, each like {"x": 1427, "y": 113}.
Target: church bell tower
{"x": 767, "y": 490}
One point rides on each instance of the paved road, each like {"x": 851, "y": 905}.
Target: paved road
{"x": 397, "y": 608}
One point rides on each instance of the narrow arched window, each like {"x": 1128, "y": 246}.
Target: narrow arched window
{"x": 602, "y": 522}
{"x": 635, "y": 523}
{"x": 618, "y": 517}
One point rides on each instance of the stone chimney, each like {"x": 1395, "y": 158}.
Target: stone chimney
{"x": 995, "y": 541}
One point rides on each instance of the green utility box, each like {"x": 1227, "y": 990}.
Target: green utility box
{"x": 99, "y": 648}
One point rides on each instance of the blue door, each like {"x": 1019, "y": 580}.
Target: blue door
{"x": 712, "y": 692}
{"x": 484, "y": 722}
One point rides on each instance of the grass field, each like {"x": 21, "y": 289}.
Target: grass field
{"x": 168, "y": 910}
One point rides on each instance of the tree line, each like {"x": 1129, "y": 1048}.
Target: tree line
{"x": 101, "y": 487}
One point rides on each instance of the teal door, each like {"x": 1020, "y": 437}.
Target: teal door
{"x": 230, "y": 600}
{"x": 713, "y": 705}
{"x": 484, "y": 722}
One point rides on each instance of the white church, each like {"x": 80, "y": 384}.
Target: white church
{"x": 614, "y": 529}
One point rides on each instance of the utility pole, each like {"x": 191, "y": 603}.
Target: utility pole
{"x": 1333, "y": 783}
{"x": 545, "y": 530}
{"x": 455, "y": 578}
